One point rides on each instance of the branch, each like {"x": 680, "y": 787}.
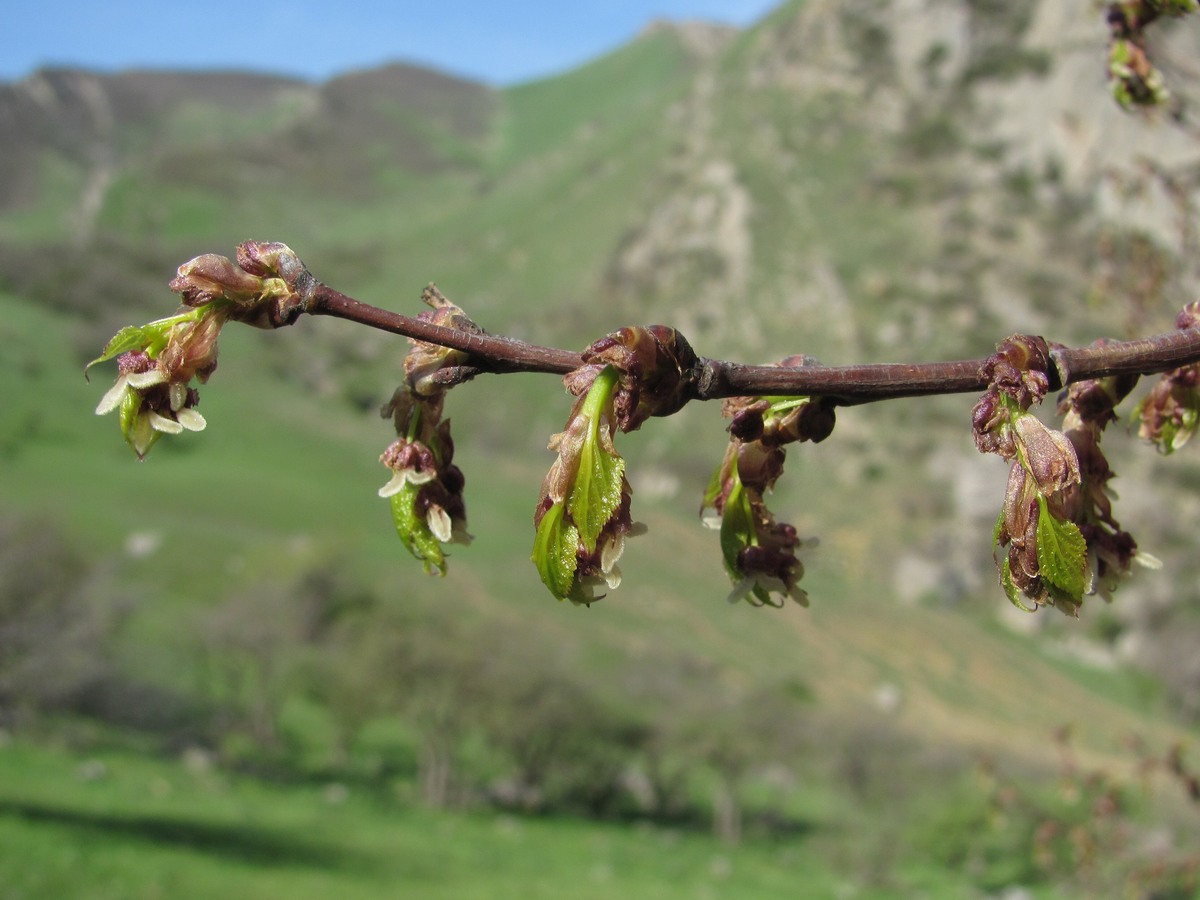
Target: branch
{"x": 714, "y": 379}
{"x": 1056, "y": 528}
{"x": 488, "y": 353}
{"x": 1056, "y": 539}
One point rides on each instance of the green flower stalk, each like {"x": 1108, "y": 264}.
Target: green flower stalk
{"x": 583, "y": 514}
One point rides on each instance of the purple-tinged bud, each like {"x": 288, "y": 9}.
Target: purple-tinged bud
{"x": 812, "y": 421}
{"x": 1019, "y": 368}
{"x": 1189, "y": 316}
{"x": 656, "y": 366}
{"x": 266, "y": 287}
{"x": 432, "y": 369}
{"x": 1094, "y": 402}
{"x": 988, "y": 419}
{"x": 191, "y": 350}
{"x": 747, "y": 423}
{"x": 1170, "y": 412}
{"x": 270, "y": 259}
{"x": 1048, "y": 455}
{"x": 210, "y": 277}
{"x": 760, "y": 465}
{"x": 1017, "y": 531}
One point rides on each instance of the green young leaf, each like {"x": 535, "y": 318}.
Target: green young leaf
{"x": 1189, "y": 419}
{"x": 713, "y": 491}
{"x": 554, "y": 552}
{"x": 781, "y": 405}
{"x": 596, "y": 494}
{"x": 136, "y": 428}
{"x": 131, "y": 337}
{"x": 1010, "y": 588}
{"x": 151, "y": 337}
{"x": 737, "y": 526}
{"x": 414, "y": 530}
{"x": 1062, "y": 553}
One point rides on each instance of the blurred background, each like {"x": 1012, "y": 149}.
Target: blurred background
{"x": 221, "y": 672}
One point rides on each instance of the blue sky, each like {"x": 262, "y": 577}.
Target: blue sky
{"x": 499, "y": 43}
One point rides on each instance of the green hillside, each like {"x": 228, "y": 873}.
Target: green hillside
{"x": 240, "y": 597}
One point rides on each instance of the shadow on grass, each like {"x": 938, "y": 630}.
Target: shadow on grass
{"x": 239, "y": 842}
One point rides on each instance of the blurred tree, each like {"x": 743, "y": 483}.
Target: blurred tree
{"x": 57, "y": 620}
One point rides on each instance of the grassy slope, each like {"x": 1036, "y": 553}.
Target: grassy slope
{"x": 145, "y": 829}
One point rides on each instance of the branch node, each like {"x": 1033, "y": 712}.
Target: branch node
{"x": 1062, "y": 368}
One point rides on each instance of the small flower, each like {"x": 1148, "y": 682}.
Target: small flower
{"x": 411, "y": 462}
{"x": 1170, "y": 413}
{"x": 136, "y": 372}
{"x": 760, "y": 554}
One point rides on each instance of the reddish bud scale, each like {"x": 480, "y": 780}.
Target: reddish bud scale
{"x": 657, "y": 372}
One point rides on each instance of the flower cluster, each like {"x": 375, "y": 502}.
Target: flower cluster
{"x": 157, "y": 362}
{"x": 760, "y": 553}
{"x": 1134, "y": 79}
{"x": 147, "y": 405}
{"x": 1045, "y": 554}
{"x": 583, "y": 514}
{"x": 1170, "y": 413}
{"x": 1087, "y": 407}
{"x": 426, "y": 488}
